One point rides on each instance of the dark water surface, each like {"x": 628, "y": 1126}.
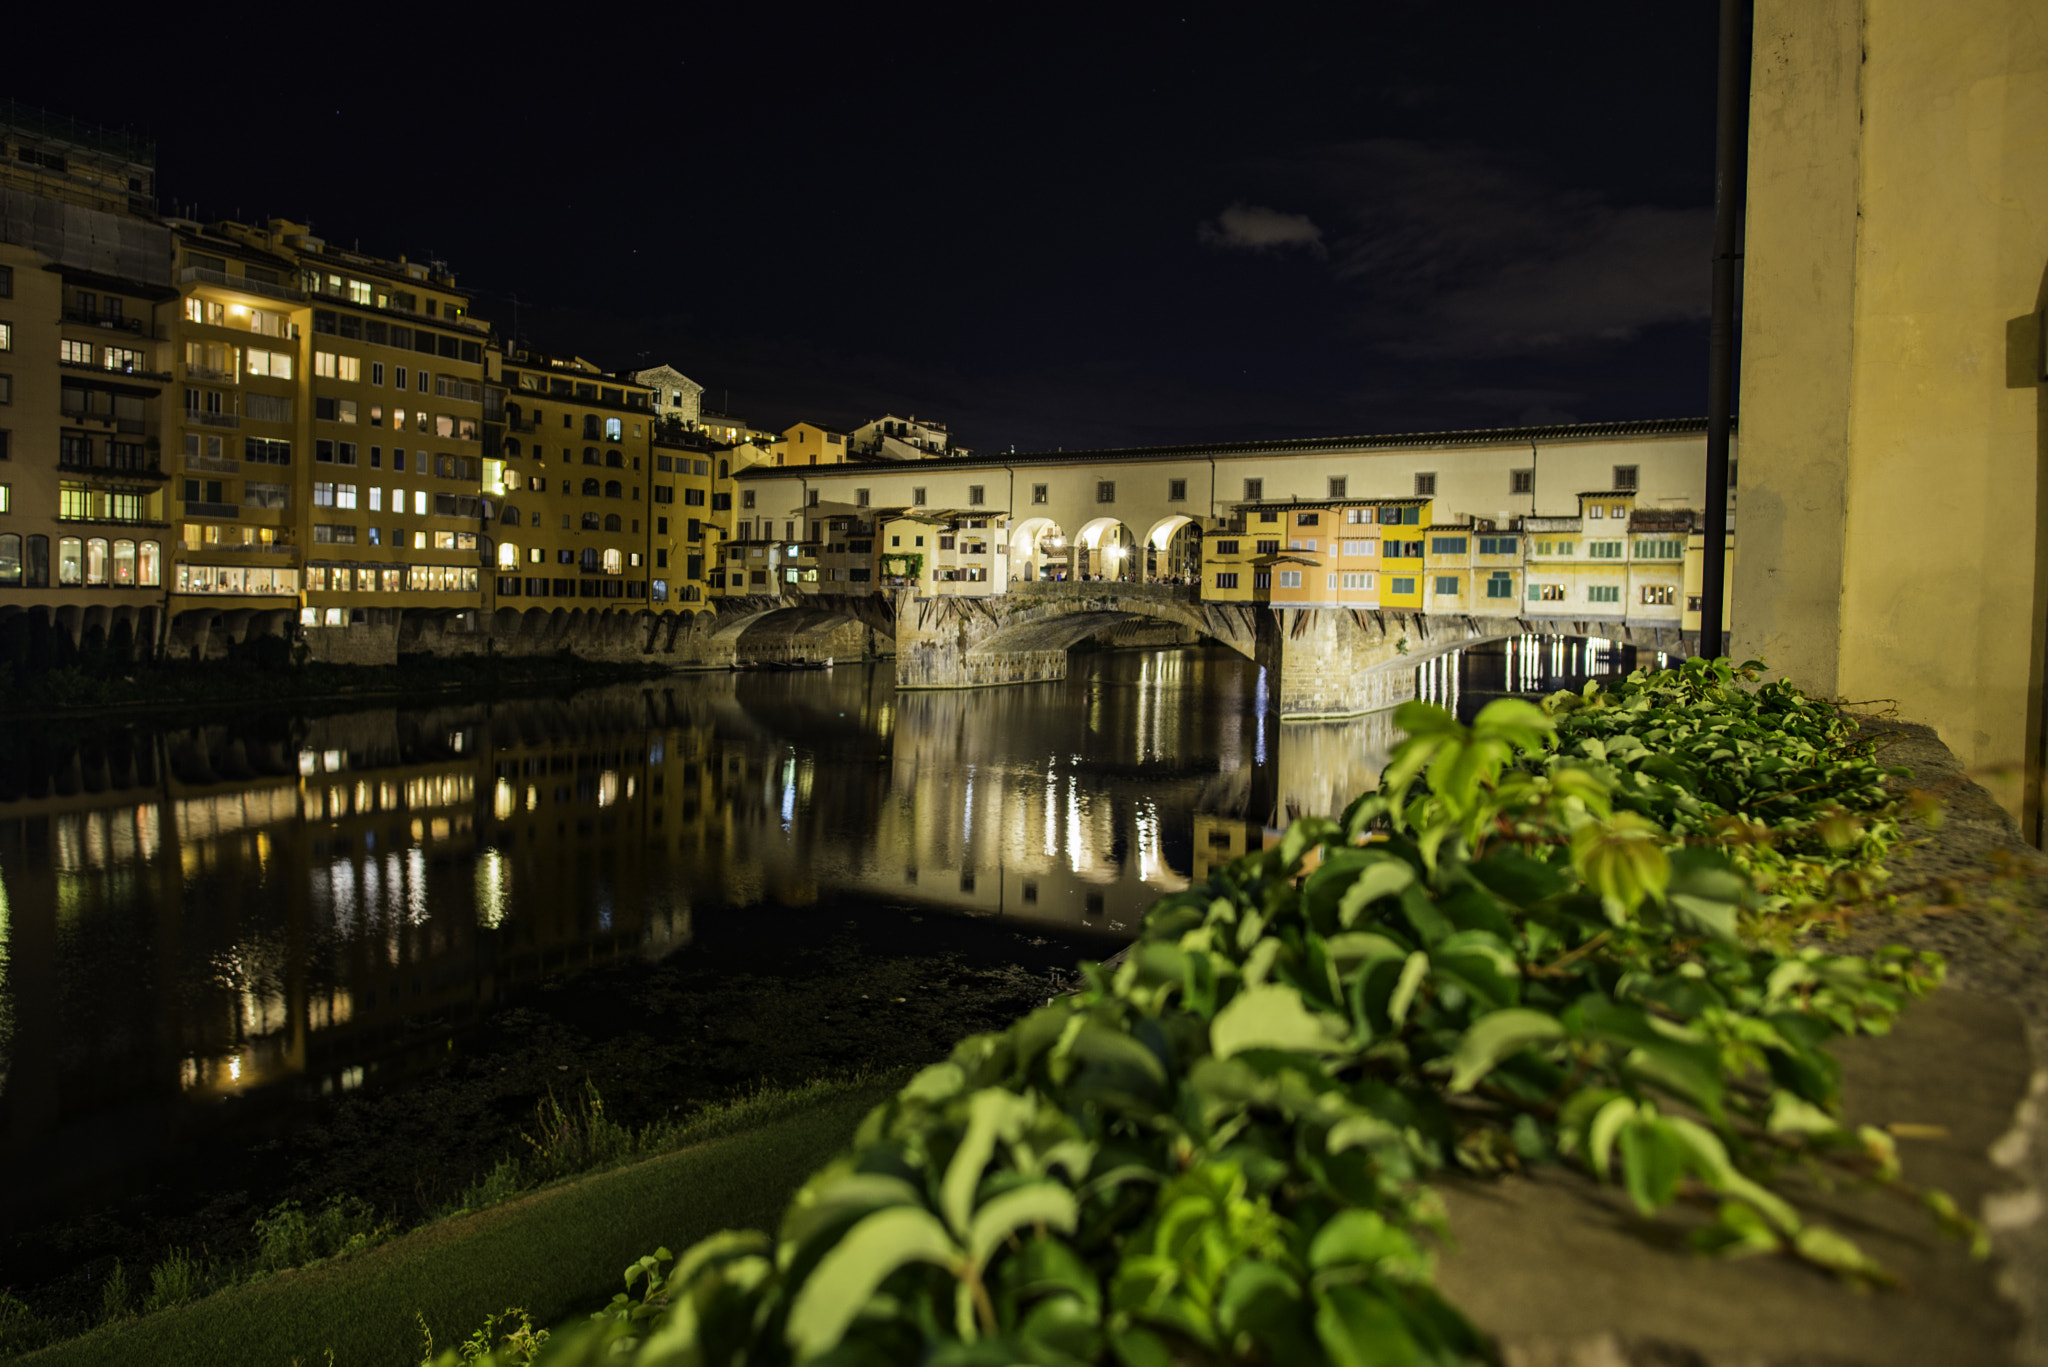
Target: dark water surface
{"x": 215, "y": 936}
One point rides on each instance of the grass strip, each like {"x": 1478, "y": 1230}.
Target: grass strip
{"x": 555, "y": 1253}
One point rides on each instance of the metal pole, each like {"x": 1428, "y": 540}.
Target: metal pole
{"x": 1731, "y": 139}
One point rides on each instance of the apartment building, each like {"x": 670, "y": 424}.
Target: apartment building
{"x": 684, "y": 541}
{"x": 328, "y": 429}
{"x": 890, "y": 437}
{"x": 677, "y": 399}
{"x": 579, "y": 454}
{"x": 1613, "y": 560}
{"x": 84, "y": 278}
{"x": 809, "y": 444}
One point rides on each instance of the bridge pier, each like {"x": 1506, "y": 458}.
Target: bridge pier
{"x": 1336, "y": 662}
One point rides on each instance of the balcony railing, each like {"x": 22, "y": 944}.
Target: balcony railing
{"x": 458, "y": 389}
{"x": 227, "y": 510}
{"x": 142, "y": 467}
{"x": 208, "y": 275}
{"x": 110, "y": 521}
{"x": 100, "y": 320}
{"x": 103, "y": 369}
{"x": 214, "y": 465}
{"x": 193, "y": 415}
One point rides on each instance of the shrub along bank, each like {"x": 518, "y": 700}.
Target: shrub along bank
{"x": 1561, "y": 935}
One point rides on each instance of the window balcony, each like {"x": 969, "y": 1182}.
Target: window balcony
{"x": 207, "y": 372}
{"x": 206, "y": 275}
{"x": 220, "y": 510}
{"x": 97, "y": 368}
{"x": 250, "y": 548}
{"x": 96, "y": 320}
{"x": 193, "y": 415}
{"x": 125, "y": 467}
{"x": 214, "y": 465}
{"x": 88, "y": 520}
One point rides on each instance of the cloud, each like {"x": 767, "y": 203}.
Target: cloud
{"x": 1457, "y": 252}
{"x": 1255, "y": 228}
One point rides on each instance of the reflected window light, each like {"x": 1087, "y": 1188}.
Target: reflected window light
{"x": 504, "y": 801}
{"x": 493, "y": 879}
{"x": 331, "y": 761}
{"x": 309, "y": 763}
{"x": 532, "y": 797}
{"x": 607, "y": 787}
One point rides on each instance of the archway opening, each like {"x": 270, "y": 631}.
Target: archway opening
{"x": 1038, "y": 550}
{"x": 1105, "y": 549}
{"x": 1173, "y": 551}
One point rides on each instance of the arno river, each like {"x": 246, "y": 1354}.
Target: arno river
{"x": 259, "y": 911}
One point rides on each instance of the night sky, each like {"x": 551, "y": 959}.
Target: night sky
{"x": 1128, "y": 225}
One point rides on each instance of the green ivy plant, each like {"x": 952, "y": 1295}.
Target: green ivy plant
{"x": 1509, "y": 954}
{"x": 1784, "y": 783}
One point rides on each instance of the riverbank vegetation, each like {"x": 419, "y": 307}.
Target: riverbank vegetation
{"x": 550, "y": 1251}
{"x": 1561, "y": 935}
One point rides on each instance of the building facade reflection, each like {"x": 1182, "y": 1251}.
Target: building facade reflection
{"x": 193, "y": 912}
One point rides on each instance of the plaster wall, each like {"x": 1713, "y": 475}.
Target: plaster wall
{"x": 1891, "y": 492}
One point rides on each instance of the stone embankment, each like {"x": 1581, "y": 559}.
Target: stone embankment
{"x": 1559, "y": 1268}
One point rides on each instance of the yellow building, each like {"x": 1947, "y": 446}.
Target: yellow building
{"x": 1404, "y": 525}
{"x": 329, "y": 437}
{"x": 1301, "y": 553}
{"x": 684, "y": 541}
{"x": 579, "y": 462}
{"x": 84, "y": 282}
{"x": 809, "y": 444}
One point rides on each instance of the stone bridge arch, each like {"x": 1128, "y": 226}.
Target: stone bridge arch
{"x": 774, "y": 627}
{"x": 1024, "y": 635}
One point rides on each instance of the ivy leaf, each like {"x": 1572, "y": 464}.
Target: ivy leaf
{"x": 1412, "y": 974}
{"x": 1040, "y": 1203}
{"x": 1359, "y": 1328}
{"x": 1623, "y": 860}
{"x": 848, "y": 1277}
{"x": 1385, "y": 876}
{"x": 1652, "y": 1160}
{"x": 830, "y": 1202}
{"x": 1261, "y": 1300}
{"x": 1272, "y": 1016}
{"x": 1795, "y": 1115}
{"x": 990, "y": 1112}
{"x": 1365, "y": 1239}
{"x": 1819, "y": 1244}
{"x": 1493, "y": 1037}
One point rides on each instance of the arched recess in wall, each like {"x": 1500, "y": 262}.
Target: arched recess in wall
{"x": 1034, "y": 542}
{"x": 1104, "y": 548}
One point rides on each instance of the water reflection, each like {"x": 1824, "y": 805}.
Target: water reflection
{"x": 196, "y": 912}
